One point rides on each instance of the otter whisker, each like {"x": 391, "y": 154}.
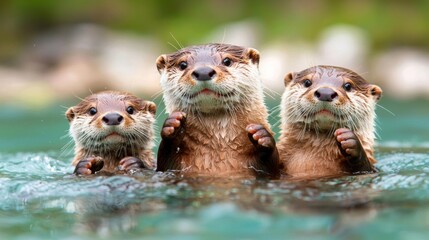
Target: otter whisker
{"x": 271, "y": 93}
{"x": 385, "y": 109}
{"x": 157, "y": 94}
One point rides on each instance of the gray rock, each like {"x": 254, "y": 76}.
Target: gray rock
{"x": 403, "y": 73}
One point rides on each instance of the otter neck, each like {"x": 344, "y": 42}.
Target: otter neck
{"x": 218, "y": 142}
{"x": 313, "y": 128}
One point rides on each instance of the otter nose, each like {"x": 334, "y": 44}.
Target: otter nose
{"x": 325, "y": 94}
{"x": 112, "y": 119}
{"x": 203, "y": 73}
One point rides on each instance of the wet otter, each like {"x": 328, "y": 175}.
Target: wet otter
{"x": 217, "y": 122}
{"x": 328, "y": 118}
{"x": 112, "y": 130}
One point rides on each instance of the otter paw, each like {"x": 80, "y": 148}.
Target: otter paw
{"x": 348, "y": 142}
{"x": 173, "y": 125}
{"x": 130, "y": 163}
{"x": 260, "y": 137}
{"x": 89, "y": 166}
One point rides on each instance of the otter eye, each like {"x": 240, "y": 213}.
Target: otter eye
{"x": 130, "y": 110}
{"x": 183, "y": 65}
{"x": 227, "y": 62}
{"x": 92, "y": 111}
{"x": 307, "y": 83}
{"x": 347, "y": 87}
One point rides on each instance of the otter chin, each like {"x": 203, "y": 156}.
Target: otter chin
{"x": 324, "y": 119}
{"x": 327, "y": 122}
{"x": 115, "y": 137}
{"x": 208, "y": 101}
{"x": 217, "y": 123}
{"x": 112, "y": 130}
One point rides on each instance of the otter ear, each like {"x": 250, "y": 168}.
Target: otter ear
{"x": 70, "y": 114}
{"x": 288, "y": 78}
{"x": 253, "y": 55}
{"x": 376, "y": 92}
{"x": 160, "y": 62}
{"x": 150, "y": 107}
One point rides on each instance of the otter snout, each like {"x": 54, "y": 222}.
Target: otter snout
{"x": 112, "y": 119}
{"x": 204, "y": 73}
{"x": 325, "y": 94}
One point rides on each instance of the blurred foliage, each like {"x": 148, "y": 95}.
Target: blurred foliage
{"x": 389, "y": 23}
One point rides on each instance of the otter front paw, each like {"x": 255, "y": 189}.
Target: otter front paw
{"x": 260, "y": 137}
{"x": 267, "y": 156}
{"x": 348, "y": 142}
{"x": 174, "y": 126}
{"x": 351, "y": 148}
{"x": 89, "y": 166}
{"x": 131, "y": 163}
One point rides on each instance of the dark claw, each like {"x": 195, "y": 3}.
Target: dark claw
{"x": 351, "y": 148}
{"x": 348, "y": 143}
{"x": 267, "y": 163}
{"x": 88, "y": 166}
{"x": 172, "y": 134}
{"x": 260, "y": 137}
{"x": 129, "y": 163}
{"x": 174, "y": 125}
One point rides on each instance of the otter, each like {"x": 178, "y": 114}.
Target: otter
{"x": 327, "y": 123}
{"x": 112, "y": 131}
{"x": 217, "y": 123}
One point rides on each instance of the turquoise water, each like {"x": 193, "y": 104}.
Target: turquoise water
{"x": 40, "y": 199}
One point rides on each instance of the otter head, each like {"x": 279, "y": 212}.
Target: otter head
{"x": 210, "y": 79}
{"x": 111, "y": 119}
{"x": 328, "y": 97}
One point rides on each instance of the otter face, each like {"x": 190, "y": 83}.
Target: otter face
{"x": 107, "y": 119}
{"x": 327, "y": 97}
{"x": 209, "y": 79}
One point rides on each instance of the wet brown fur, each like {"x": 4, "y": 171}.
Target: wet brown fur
{"x": 309, "y": 150}
{"x": 219, "y": 149}
{"x": 136, "y": 131}
{"x": 216, "y": 142}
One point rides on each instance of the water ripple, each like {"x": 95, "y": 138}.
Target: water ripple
{"x": 38, "y": 186}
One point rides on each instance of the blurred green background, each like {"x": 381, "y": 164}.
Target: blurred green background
{"x": 389, "y": 23}
{"x": 53, "y": 52}
{"x": 43, "y": 42}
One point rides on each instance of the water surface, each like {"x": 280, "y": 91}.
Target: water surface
{"x": 40, "y": 199}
